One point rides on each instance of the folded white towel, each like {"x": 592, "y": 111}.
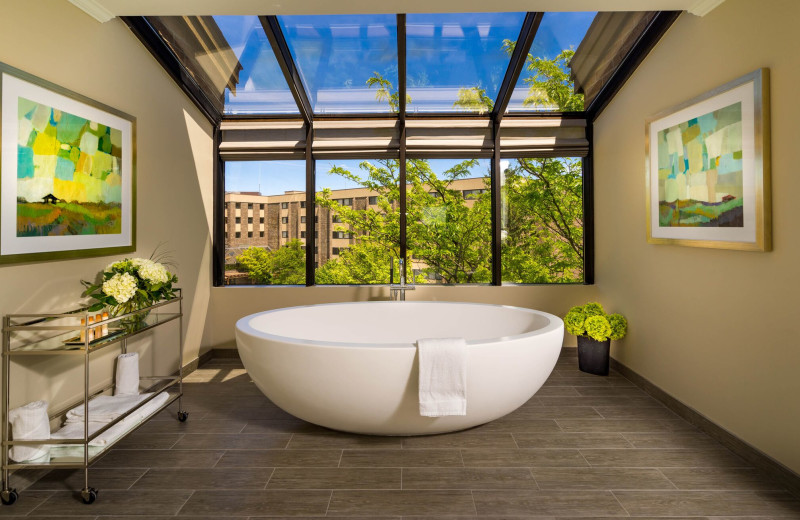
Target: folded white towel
{"x": 105, "y": 408}
{"x": 75, "y": 430}
{"x": 29, "y": 422}
{"x": 442, "y": 376}
{"x": 127, "y": 381}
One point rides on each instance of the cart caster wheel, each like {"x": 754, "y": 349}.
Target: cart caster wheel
{"x": 89, "y": 495}
{"x": 182, "y": 416}
{"x": 9, "y": 496}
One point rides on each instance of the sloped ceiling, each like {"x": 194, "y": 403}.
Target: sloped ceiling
{"x": 104, "y": 10}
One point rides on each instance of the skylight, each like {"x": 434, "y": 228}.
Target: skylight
{"x": 456, "y": 62}
{"x": 558, "y": 36}
{"x": 348, "y": 63}
{"x": 261, "y": 87}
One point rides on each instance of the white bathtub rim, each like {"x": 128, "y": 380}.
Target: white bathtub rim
{"x": 243, "y": 326}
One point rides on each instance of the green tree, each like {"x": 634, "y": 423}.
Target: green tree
{"x": 283, "y": 266}
{"x": 544, "y": 221}
{"x": 549, "y": 83}
{"x": 386, "y": 91}
{"x": 446, "y": 234}
{"x": 474, "y": 99}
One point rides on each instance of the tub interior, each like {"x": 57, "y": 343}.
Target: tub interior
{"x": 376, "y": 323}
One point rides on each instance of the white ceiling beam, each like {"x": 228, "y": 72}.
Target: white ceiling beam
{"x": 703, "y": 7}
{"x": 278, "y": 7}
{"x": 94, "y": 8}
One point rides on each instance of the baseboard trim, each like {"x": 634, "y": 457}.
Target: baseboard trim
{"x": 226, "y": 353}
{"x": 743, "y": 449}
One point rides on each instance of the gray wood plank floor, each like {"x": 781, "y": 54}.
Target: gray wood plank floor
{"x": 584, "y": 447}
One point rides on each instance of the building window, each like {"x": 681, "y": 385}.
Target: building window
{"x": 261, "y": 206}
{"x": 303, "y": 219}
{"x": 261, "y": 220}
{"x": 284, "y": 205}
{"x": 316, "y": 219}
{"x": 284, "y": 234}
{"x": 238, "y": 234}
{"x": 373, "y": 201}
{"x": 250, "y": 206}
{"x": 336, "y": 219}
{"x": 345, "y": 202}
{"x": 472, "y": 194}
{"x": 341, "y": 234}
{"x": 226, "y": 221}
{"x": 338, "y": 250}
{"x": 302, "y": 234}
{"x": 302, "y": 204}
{"x": 261, "y": 234}
{"x": 238, "y": 205}
{"x": 284, "y": 220}
{"x": 249, "y": 220}
{"x": 238, "y": 220}
{"x": 249, "y": 234}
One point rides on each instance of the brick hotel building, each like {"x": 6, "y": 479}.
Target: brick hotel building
{"x": 270, "y": 221}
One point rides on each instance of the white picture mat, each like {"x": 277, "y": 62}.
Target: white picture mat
{"x": 10, "y": 244}
{"x": 743, "y": 94}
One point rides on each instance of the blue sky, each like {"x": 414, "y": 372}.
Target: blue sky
{"x": 336, "y": 55}
{"x": 341, "y": 52}
{"x": 277, "y": 177}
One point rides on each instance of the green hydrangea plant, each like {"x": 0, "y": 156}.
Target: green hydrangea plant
{"x": 591, "y": 320}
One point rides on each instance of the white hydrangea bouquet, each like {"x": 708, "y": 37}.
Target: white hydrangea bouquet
{"x": 130, "y": 284}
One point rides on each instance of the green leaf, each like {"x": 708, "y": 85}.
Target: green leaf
{"x": 96, "y": 307}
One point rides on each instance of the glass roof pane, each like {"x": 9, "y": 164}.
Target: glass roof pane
{"x": 261, "y": 87}
{"x": 558, "y": 36}
{"x": 348, "y": 63}
{"x": 456, "y": 62}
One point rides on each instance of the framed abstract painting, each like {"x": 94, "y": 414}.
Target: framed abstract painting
{"x": 708, "y": 169}
{"x": 67, "y": 173}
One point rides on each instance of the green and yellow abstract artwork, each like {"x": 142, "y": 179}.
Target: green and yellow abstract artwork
{"x": 700, "y": 175}
{"x": 69, "y": 175}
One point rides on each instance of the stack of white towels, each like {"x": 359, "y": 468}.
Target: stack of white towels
{"x": 30, "y": 422}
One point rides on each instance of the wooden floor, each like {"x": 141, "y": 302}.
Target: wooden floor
{"x": 584, "y": 447}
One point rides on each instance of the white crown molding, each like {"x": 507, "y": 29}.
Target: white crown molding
{"x": 703, "y": 7}
{"x": 94, "y": 9}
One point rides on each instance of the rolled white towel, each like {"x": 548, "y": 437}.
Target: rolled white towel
{"x": 127, "y": 374}
{"x": 105, "y": 408}
{"x": 29, "y": 422}
{"x": 442, "y": 376}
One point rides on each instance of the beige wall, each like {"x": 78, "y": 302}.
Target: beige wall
{"x": 57, "y": 42}
{"x": 713, "y": 328}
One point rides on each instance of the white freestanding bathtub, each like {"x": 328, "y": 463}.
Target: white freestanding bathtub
{"x": 353, "y": 366}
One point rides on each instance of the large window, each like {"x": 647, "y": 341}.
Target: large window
{"x": 542, "y": 220}
{"x": 449, "y": 220}
{"x": 357, "y": 240}
{"x": 264, "y": 245}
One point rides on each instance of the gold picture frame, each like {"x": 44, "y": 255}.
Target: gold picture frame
{"x": 67, "y": 173}
{"x": 707, "y": 164}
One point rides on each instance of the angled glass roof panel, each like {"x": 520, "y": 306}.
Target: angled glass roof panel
{"x": 559, "y": 35}
{"x": 260, "y": 86}
{"x": 348, "y": 63}
{"x": 457, "y": 61}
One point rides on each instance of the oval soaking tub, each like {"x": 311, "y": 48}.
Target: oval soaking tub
{"x": 353, "y": 366}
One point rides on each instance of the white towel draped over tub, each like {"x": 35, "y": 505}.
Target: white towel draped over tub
{"x": 442, "y": 376}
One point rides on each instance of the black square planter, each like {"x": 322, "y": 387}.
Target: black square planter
{"x": 593, "y": 355}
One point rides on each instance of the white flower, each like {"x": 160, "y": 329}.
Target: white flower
{"x": 121, "y": 287}
{"x": 153, "y": 272}
{"x": 110, "y": 267}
